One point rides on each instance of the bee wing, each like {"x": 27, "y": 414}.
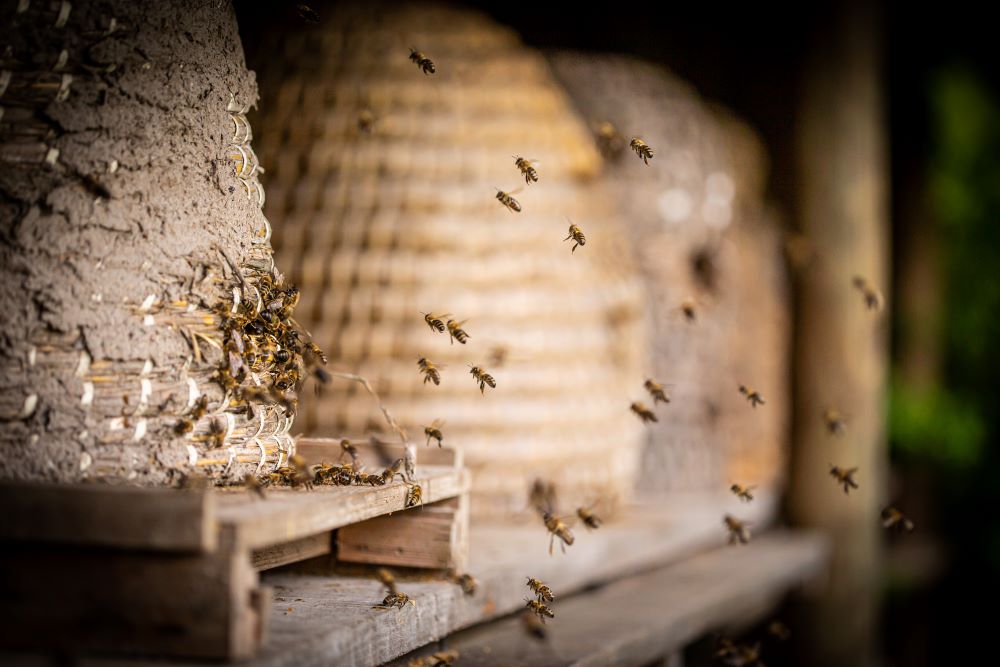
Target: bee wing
{"x": 437, "y": 423}
{"x": 515, "y": 191}
{"x": 850, "y": 471}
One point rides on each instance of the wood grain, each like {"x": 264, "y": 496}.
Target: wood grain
{"x": 277, "y": 555}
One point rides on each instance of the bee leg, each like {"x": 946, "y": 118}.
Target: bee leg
{"x": 552, "y": 539}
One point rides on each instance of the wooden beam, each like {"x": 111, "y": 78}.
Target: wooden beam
{"x": 294, "y": 551}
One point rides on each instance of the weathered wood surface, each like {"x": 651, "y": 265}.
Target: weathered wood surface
{"x": 646, "y": 617}
{"x": 277, "y": 555}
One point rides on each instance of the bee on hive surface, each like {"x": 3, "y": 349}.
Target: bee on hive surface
{"x": 576, "y": 234}
{"x": 610, "y": 141}
{"x": 873, "y": 297}
{"x": 466, "y": 581}
{"x": 253, "y": 485}
{"x": 644, "y": 413}
{"x": 391, "y": 471}
{"x": 543, "y": 592}
{"x": 527, "y": 168}
{"x": 892, "y": 518}
{"x": 433, "y": 432}
{"x": 508, "y": 201}
{"x": 302, "y": 475}
{"x": 589, "y": 518}
{"x": 836, "y": 423}
{"x": 533, "y": 626}
{"x": 540, "y": 610}
{"x": 217, "y": 433}
{"x": 395, "y": 600}
{"x": 456, "y": 332}
{"x": 414, "y": 495}
{"x": 387, "y": 579}
{"x": 423, "y": 62}
{"x": 779, "y": 631}
{"x": 641, "y": 149}
{"x": 439, "y": 659}
{"x": 366, "y": 122}
{"x": 656, "y": 390}
{"x": 744, "y": 493}
{"x": 483, "y": 378}
{"x": 844, "y": 477}
{"x": 753, "y": 396}
{"x": 430, "y": 370}
{"x": 435, "y": 322}
{"x": 557, "y": 528}
{"x": 739, "y": 531}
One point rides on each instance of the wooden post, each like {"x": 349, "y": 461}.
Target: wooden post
{"x": 841, "y": 346}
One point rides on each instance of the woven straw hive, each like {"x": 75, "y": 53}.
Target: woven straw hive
{"x": 701, "y": 234}
{"x": 131, "y": 199}
{"x": 379, "y": 226}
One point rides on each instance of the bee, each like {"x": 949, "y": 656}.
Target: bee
{"x": 844, "y": 477}
{"x": 467, "y": 582}
{"x": 387, "y": 579}
{"x": 779, "y": 631}
{"x": 533, "y": 626}
{"x": 656, "y": 390}
{"x": 641, "y": 149}
{"x": 540, "y": 610}
{"x": 873, "y": 297}
{"x": 430, "y": 371}
{"x": 433, "y": 432}
{"x": 739, "y": 531}
{"x": 456, "y": 332}
{"x": 439, "y": 659}
{"x": 301, "y": 476}
{"x": 434, "y": 321}
{"x": 743, "y": 655}
{"x": 527, "y": 169}
{"x": 183, "y": 427}
{"x": 390, "y": 472}
{"x": 576, "y": 234}
{"x": 752, "y": 395}
{"x": 892, "y": 518}
{"x": 589, "y": 519}
{"x": 836, "y": 423}
{"x": 483, "y": 378}
{"x": 346, "y": 448}
{"x": 688, "y": 310}
{"x": 217, "y": 433}
{"x": 422, "y": 61}
{"x": 395, "y": 600}
{"x": 743, "y": 492}
{"x": 644, "y": 413}
{"x": 366, "y": 122}
{"x": 414, "y": 495}
{"x": 253, "y": 485}
{"x": 542, "y": 496}
{"x": 610, "y": 142}
{"x": 543, "y": 592}
{"x": 509, "y": 202}
{"x": 557, "y": 528}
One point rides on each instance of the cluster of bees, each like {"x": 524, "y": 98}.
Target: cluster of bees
{"x": 432, "y": 371}
{"x": 538, "y": 608}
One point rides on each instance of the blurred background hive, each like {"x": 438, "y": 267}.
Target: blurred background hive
{"x": 701, "y": 234}
{"x": 380, "y": 223}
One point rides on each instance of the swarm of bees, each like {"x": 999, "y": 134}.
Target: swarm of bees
{"x": 844, "y": 477}
{"x": 576, "y": 234}
{"x": 872, "y": 297}
{"x": 641, "y": 149}
{"x": 527, "y": 169}
{"x": 425, "y": 64}
{"x": 753, "y": 396}
{"x": 301, "y": 475}
{"x": 744, "y": 493}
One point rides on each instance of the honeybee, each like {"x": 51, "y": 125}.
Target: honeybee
{"x": 752, "y": 395}
{"x": 836, "y": 423}
{"x": 466, "y": 581}
{"x": 423, "y": 62}
{"x": 540, "y": 610}
{"x": 430, "y": 371}
{"x": 557, "y": 528}
{"x": 302, "y": 475}
{"x": 543, "y": 592}
{"x": 743, "y": 492}
{"x": 641, "y": 149}
{"x": 644, "y": 413}
{"x": 533, "y": 626}
{"x": 366, "y": 122}
{"x": 439, "y": 659}
{"x": 589, "y": 519}
{"x": 873, "y": 297}
{"x": 434, "y": 321}
{"x": 414, "y": 495}
{"x": 387, "y": 579}
{"x": 844, "y": 477}
{"x": 509, "y": 202}
{"x": 456, "y": 332}
{"x": 610, "y": 142}
{"x": 656, "y": 390}
{"x": 217, "y": 433}
{"x": 739, "y": 531}
{"x": 391, "y": 471}
{"x": 350, "y": 450}
{"x": 689, "y": 311}
{"x": 433, "y": 432}
{"x": 892, "y": 518}
{"x": 779, "y": 631}
{"x": 576, "y": 234}
{"x": 395, "y": 600}
{"x": 527, "y": 169}
{"x": 542, "y": 496}
{"x": 253, "y": 485}
{"x": 483, "y": 378}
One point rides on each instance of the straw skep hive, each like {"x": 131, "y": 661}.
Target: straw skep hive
{"x": 130, "y": 202}
{"x": 701, "y": 234}
{"x": 381, "y": 181}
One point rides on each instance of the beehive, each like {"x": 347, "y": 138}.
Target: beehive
{"x": 382, "y": 181}
{"x": 702, "y": 234}
{"x": 131, "y": 197}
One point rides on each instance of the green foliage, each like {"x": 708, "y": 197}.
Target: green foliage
{"x": 936, "y": 425}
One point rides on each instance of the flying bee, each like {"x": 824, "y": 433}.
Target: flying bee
{"x": 589, "y": 519}
{"x": 509, "y": 202}
{"x": 433, "y": 432}
{"x": 844, "y": 477}
{"x": 873, "y": 298}
{"x": 739, "y": 531}
{"x": 779, "y": 631}
{"x": 466, "y": 581}
{"x": 752, "y": 395}
{"x": 540, "y": 610}
{"x": 483, "y": 378}
{"x": 610, "y": 142}
{"x": 689, "y": 311}
{"x": 350, "y": 450}
{"x": 542, "y": 496}
{"x": 366, "y": 122}
{"x": 434, "y": 321}
{"x": 557, "y": 528}
{"x": 836, "y": 423}
{"x": 656, "y": 390}
{"x": 892, "y": 518}
{"x": 543, "y": 592}
{"x": 644, "y": 413}
{"x": 456, "y": 332}
{"x": 576, "y": 234}
{"x": 387, "y": 579}
{"x": 414, "y": 495}
{"x": 744, "y": 493}
{"x": 430, "y": 371}
{"x": 422, "y": 61}
{"x": 641, "y": 149}
{"x": 527, "y": 168}
{"x": 533, "y": 626}
{"x": 395, "y": 600}
{"x": 253, "y": 485}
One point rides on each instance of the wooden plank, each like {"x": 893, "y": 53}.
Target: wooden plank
{"x": 374, "y": 455}
{"x": 114, "y": 516}
{"x": 647, "y": 617}
{"x": 291, "y": 552}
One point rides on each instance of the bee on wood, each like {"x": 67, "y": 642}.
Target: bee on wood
{"x": 390, "y": 472}
{"x": 430, "y": 371}
{"x": 873, "y": 297}
{"x": 844, "y": 477}
{"x": 534, "y": 627}
{"x": 744, "y": 493}
{"x": 456, "y": 332}
{"x": 423, "y": 62}
{"x": 557, "y": 528}
{"x": 540, "y": 610}
{"x": 302, "y": 475}
{"x": 466, "y": 582}
{"x": 414, "y": 495}
{"x": 387, "y": 579}
{"x": 739, "y": 531}
{"x": 366, "y": 122}
{"x": 641, "y": 149}
{"x": 836, "y": 423}
{"x": 610, "y": 141}
{"x": 253, "y": 485}
{"x": 217, "y": 433}
{"x": 508, "y": 201}
{"x": 644, "y": 413}
{"x": 656, "y": 390}
{"x": 779, "y": 631}
{"x": 542, "y": 496}
{"x": 395, "y": 600}
{"x": 892, "y": 518}
{"x": 589, "y": 519}
{"x": 527, "y": 168}
{"x": 483, "y": 378}
{"x": 576, "y": 234}
{"x": 347, "y": 449}
{"x": 753, "y": 396}
{"x": 435, "y": 322}
{"x": 439, "y": 659}
{"x": 433, "y": 432}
